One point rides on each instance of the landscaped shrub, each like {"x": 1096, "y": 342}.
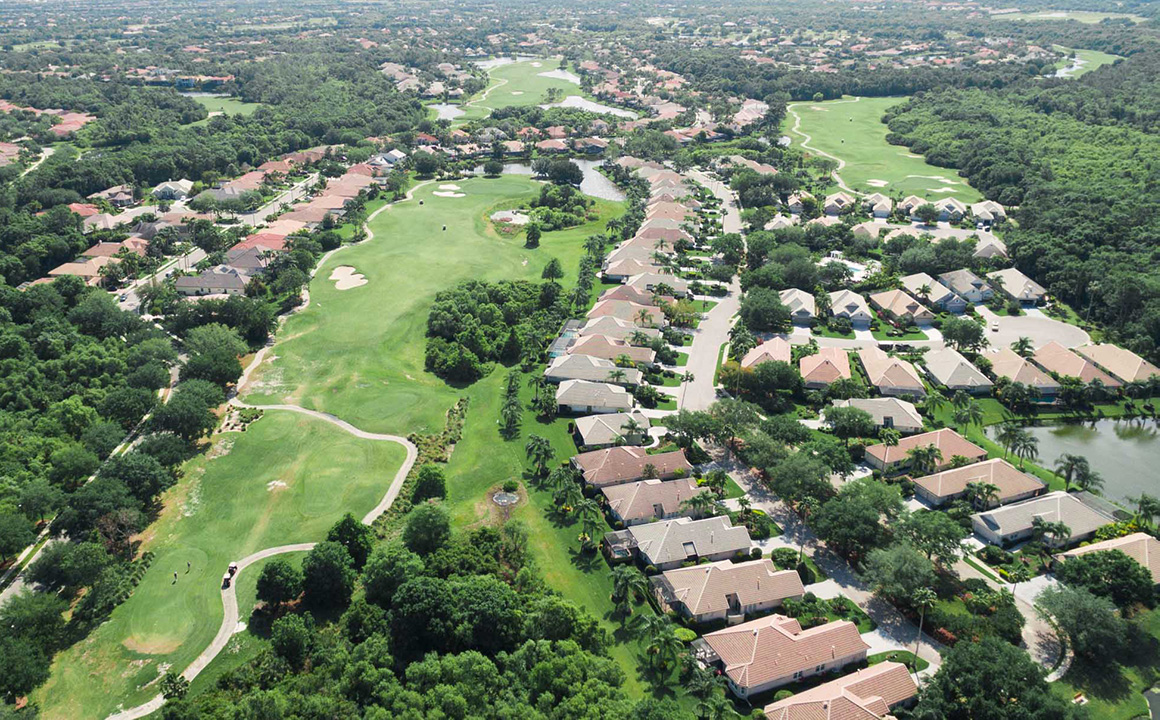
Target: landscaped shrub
{"x": 685, "y": 635}
{"x": 995, "y": 555}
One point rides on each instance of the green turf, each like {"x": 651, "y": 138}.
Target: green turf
{"x": 517, "y": 84}
{"x": 1083, "y": 16}
{"x": 905, "y": 337}
{"x": 223, "y": 509}
{"x": 1092, "y": 59}
{"x": 227, "y": 105}
{"x": 852, "y": 129}
{"x": 1115, "y": 689}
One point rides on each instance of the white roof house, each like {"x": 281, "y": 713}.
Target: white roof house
{"x": 582, "y": 396}
{"x": 888, "y": 412}
{"x": 947, "y": 367}
{"x": 851, "y": 305}
{"x": 1017, "y": 286}
{"x": 799, "y": 303}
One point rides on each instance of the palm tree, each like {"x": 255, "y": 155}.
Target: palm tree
{"x": 703, "y": 682}
{"x": 924, "y": 459}
{"x": 969, "y": 414}
{"x": 806, "y": 508}
{"x": 665, "y": 648}
{"x": 1147, "y": 508}
{"x": 538, "y": 384}
{"x": 923, "y": 598}
{"x": 703, "y": 504}
{"x": 715, "y": 707}
{"x": 960, "y": 400}
{"x": 1023, "y": 347}
{"x": 616, "y": 376}
{"x": 628, "y": 584}
{"x": 1025, "y": 447}
{"x": 591, "y": 522}
{"x": 638, "y": 337}
{"x": 568, "y": 497}
{"x": 924, "y": 292}
{"x": 934, "y": 401}
{"x": 981, "y": 494}
{"x": 631, "y": 427}
{"x": 889, "y": 437}
{"x": 1056, "y": 530}
{"x": 643, "y": 317}
{"x": 688, "y": 377}
{"x": 539, "y": 451}
{"x": 1069, "y": 467}
{"x": 647, "y": 625}
{"x": 1089, "y": 480}
{"x": 1007, "y": 435}
{"x": 1018, "y": 574}
{"x": 745, "y": 505}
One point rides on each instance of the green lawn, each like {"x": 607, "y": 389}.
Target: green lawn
{"x": 1114, "y": 689}
{"x": 900, "y": 656}
{"x": 1083, "y": 16}
{"x": 226, "y": 105}
{"x": 518, "y": 84}
{"x": 287, "y": 479}
{"x": 852, "y": 129}
{"x": 823, "y": 331}
{"x": 1092, "y": 59}
{"x": 905, "y": 337}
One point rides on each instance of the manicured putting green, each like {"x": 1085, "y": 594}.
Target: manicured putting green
{"x": 287, "y": 479}
{"x": 852, "y": 130}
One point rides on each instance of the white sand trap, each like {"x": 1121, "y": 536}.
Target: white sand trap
{"x": 510, "y": 217}
{"x": 448, "y": 193}
{"x": 910, "y": 155}
{"x": 275, "y": 485}
{"x": 345, "y": 278}
{"x": 877, "y": 183}
{"x": 943, "y": 190}
{"x": 815, "y": 108}
{"x": 517, "y": 92}
{"x": 537, "y": 64}
{"x": 559, "y": 74}
{"x": 449, "y": 186}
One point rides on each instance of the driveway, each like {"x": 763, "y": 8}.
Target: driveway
{"x": 1033, "y": 324}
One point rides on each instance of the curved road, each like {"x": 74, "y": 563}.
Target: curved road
{"x": 229, "y": 598}
{"x": 805, "y": 143}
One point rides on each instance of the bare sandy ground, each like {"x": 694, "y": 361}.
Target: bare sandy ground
{"x": 345, "y": 278}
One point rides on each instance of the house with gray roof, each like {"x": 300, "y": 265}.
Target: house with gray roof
{"x": 948, "y": 368}
{"x": 591, "y": 368}
{"x": 1016, "y": 522}
{"x": 1018, "y": 286}
{"x": 670, "y": 543}
{"x": 582, "y": 397}
{"x": 606, "y": 430}
{"x": 967, "y": 285}
{"x": 219, "y": 280}
{"x": 888, "y": 412}
{"x": 935, "y": 293}
{"x": 800, "y": 304}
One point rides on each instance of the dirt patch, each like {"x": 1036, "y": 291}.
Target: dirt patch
{"x": 221, "y": 448}
{"x": 345, "y": 278}
{"x": 153, "y": 645}
{"x": 517, "y": 92}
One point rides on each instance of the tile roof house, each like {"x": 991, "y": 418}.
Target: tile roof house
{"x": 605, "y": 430}
{"x": 619, "y": 465}
{"x": 173, "y": 190}
{"x": 890, "y": 458}
{"x": 1124, "y": 365}
{"x": 950, "y": 209}
{"x": 1018, "y": 286}
{"x": 836, "y": 203}
{"x": 582, "y": 397}
{"x": 866, "y": 694}
{"x": 967, "y": 285}
{"x": 637, "y": 295}
{"x": 1006, "y": 363}
{"x": 610, "y": 349}
{"x": 725, "y": 590}
{"x": 947, "y": 367}
{"x": 589, "y": 367}
{"x": 1057, "y": 359}
{"x": 629, "y": 311}
{"x": 849, "y": 304}
{"x": 800, "y": 305}
{"x": 670, "y": 543}
{"x": 988, "y": 211}
{"x": 650, "y": 281}
{"x": 649, "y": 501}
{"x": 902, "y": 307}
{"x": 616, "y": 328}
{"x": 777, "y": 348}
{"x": 888, "y": 412}
{"x": 1014, "y": 523}
{"x": 1013, "y": 484}
{"x": 1141, "y": 547}
{"x": 891, "y": 375}
{"x": 989, "y": 246}
{"x": 878, "y": 205}
{"x": 220, "y": 280}
{"x": 772, "y": 651}
{"x": 937, "y": 294}
{"x": 622, "y": 265}
{"x": 828, "y": 365}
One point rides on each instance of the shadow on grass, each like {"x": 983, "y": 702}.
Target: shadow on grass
{"x": 1105, "y": 681}
{"x": 586, "y": 561}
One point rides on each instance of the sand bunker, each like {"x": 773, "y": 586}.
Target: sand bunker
{"x": 561, "y": 74}
{"x": 447, "y": 193}
{"x": 910, "y": 155}
{"x": 510, "y": 217}
{"x": 943, "y": 190}
{"x": 537, "y": 64}
{"x": 345, "y": 278}
{"x": 517, "y": 92}
{"x": 877, "y": 183}
{"x": 275, "y": 485}
{"x": 815, "y": 108}
{"x": 449, "y": 187}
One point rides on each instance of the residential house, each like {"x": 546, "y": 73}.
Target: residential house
{"x": 100, "y": 221}
{"x": 583, "y": 397}
{"x": 989, "y": 246}
{"x": 618, "y": 329}
{"x": 910, "y": 203}
{"x": 1011, "y": 483}
{"x": 890, "y": 375}
{"x": 893, "y": 458}
{"x": 725, "y": 590}
{"x": 600, "y": 431}
{"x": 650, "y": 281}
{"x": 776, "y": 348}
{"x": 947, "y": 367}
{"x": 852, "y": 306}
{"x": 866, "y": 694}
{"x": 1141, "y": 547}
{"x": 950, "y": 209}
{"x": 1006, "y": 363}
{"x": 878, "y": 205}
{"x": 640, "y": 296}
{"x": 988, "y": 212}
{"x": 219, "y": 280}
{"x": 1056, "y": 359}
{"x": 1082, "y": 514}
{"x": 902, "y": 307}
{"x": 767, "y": 653}
{"x": 1018, "y": 286}
{"x": 967, "y": 285}
{"x": 619, "y": 465}
{"x": 88, "y": 270}
{"x": 796, "y": 202}
{"x": 173, "y": 190}
{"x": 800, "y": 305}
{"x": 837, "y": 203}
{"x": 866, "y": 230}
{"x": 118, "y": 196}
{"x": 594, "y": 369}
{"x": 1123, "y": 365}
{"x": 648, "y": 501}
{"x": 552, "y": 145}
{"x": 924, "y": 287}
{"x": 888, "y": 412}
{"x": 590, "y": 145}
{"x": 609, "y": 349}
{"x": 647, "y": 315}
{"x": 827, "y": 366}
{"x": 251, "y": 261}
{"x": 670, "y": 543}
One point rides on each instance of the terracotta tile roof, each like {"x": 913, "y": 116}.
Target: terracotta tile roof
{"x": 1011, "y": 481}
{"x": 1122, "y": 364}
{"x": 890, "y": 373}
{"x": 774, "y": 647}
{"x": 639, "y": 500}
{"x": 706, "y": 588}
{"x": 1055, "y": 358}
{"x": 1141, "y": 547}
{"x": 867, "y": 693}
{"x": 827, "y": 366}
{"x": 609, "y": 349}
{"x": 1009, "y": 364}
{"x": 946, "y": 440}
{"x": 617, "y": 465}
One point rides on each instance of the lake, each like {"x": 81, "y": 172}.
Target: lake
{"x": 594, "y": 184}
{"x": 1126, "y": 453}
{"x": 581, "y": 103}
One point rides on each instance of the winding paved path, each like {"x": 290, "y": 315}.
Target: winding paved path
{"x": 806, "y": 140}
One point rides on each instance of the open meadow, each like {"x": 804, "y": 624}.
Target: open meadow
{"x": 286, "y": 479}
{"x": 1083, "y": 16}
{"x": 851, "y": 132}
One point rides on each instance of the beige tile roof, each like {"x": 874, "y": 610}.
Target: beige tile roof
{"x": 773, "y": 647}
{"x": 671, "y": 541}
{"x": 1122, "y": 364}
{"x": 616, "y": 328}
{"x": 946, "y": 440}
{"x": 604, "y": 429}
{"x": 890, "y": 373}
{"x": 867, "y": 693}
{"x": 625, "y": 310}
{"x": 610, "y": 349}
{"x": 826, "y": 366}
{"x": 613, "y": 466}
{"x": 950, "y": 368}
{"x": 798, "y": 301}
{"x": 706, "y": 588}
{"x": 1141, "y": 547}
{"x": 1018, "y": 285}
{"x": 583, "y": 393}
{"x": 899, "y": 304}
{"x": 903, "y": 414}
{"x": 1055, "y": 358}
{"x": 1011, "y": 365}
{"x": 588, "y": 367}
{"x": 1080, "y": 517}
{"x": 938, "y": 292}
{"x": 776, "y": 348}
{"x": 998, "y": 472}
{"x": 638, "y": 500}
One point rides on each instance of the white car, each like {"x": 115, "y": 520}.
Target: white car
{"x": 995, "y": 326}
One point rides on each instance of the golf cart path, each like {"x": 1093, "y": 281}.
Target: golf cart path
{"x": 806, "y": 140}
{"x": 229, "y": 624}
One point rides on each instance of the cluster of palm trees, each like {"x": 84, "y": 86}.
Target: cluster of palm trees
{"x": 543, "y": 399}
{"x": 1075, "y": 469}
{"x": 982, "y": 495}
{"x": 511, "y": 412}
{"x": 1018, "y": 441}
{"x": 564, "y": 484}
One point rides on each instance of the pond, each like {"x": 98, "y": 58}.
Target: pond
{"x": 594, "y": 184}
{"x": 581, "y": 103}
{"x": 1126, "y": 453}
{"x": 492, "y": 63}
